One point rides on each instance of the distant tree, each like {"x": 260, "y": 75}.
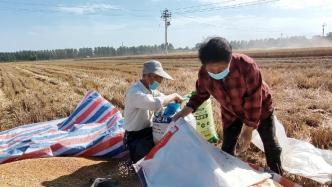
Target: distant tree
{"x": 85, "y": 52}
{"x": 329, "y": 36}
{"x": 33, "y": 57}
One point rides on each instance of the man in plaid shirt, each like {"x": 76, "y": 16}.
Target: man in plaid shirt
{"x": 235, "y": 81}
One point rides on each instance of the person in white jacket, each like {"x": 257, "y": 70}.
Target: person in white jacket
{"x": 142, "y": 100}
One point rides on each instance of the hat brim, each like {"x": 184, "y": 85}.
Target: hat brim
{"x": 163, "y": 74}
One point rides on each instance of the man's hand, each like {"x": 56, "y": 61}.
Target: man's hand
{"x": 177, "y": 98}
{"x": 183, "y": 113}
{"x": 245, "y": 138}
{"x": 172, "y": 97}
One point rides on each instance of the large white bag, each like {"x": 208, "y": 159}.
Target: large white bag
{"x": 184, "y": 158}
{"x": 300, "y": 157}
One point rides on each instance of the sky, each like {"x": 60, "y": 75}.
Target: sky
{"x": 57, "y": 24}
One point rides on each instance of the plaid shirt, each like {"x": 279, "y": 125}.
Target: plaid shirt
{"x": 242, "y": 94}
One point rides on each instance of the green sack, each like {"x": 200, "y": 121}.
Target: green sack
{"x": 204, "y": 120}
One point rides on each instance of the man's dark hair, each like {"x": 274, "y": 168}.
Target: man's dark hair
{"x": 214, "y": 50}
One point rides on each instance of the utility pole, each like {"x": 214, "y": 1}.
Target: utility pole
{"x": 324, "y": 25}
{"x": 166, "y": 16}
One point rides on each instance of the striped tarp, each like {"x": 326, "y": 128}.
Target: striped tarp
{"x": 95, "y": 128}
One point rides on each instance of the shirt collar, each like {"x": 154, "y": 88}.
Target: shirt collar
{"x": 141, "y": 85}
{"x": 232, "y": 64}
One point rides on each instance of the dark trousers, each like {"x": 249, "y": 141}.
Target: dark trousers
{"x": 267, "y": 133}
{"x": 139, "y": 143}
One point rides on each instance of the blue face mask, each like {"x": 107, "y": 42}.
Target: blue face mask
{"x": 154, "y": 85}
{"x": 220, "y": 75}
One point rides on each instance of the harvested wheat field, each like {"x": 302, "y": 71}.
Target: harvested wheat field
{"x": 40, "y": 91}
{"x": 65, "y": 171}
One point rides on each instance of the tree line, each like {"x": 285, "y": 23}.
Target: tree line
{"x": 30, "y": 55}
{"x": 294, "y": 41}
{"x": 290, "y": 42}
{"x": 281, "y": 42}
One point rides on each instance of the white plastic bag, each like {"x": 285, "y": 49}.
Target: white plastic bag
{"x": 300, "y": 157}
{"x": 184, "y": 158}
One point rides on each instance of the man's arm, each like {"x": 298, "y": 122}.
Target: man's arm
{"x": 245, "y": 138}
{"x": 195, "y": 100}
{"x": 147, "y": 101}
{"x": 172, "y": 97}
{"x": 253, "y": 96}
{"x": 252, "y": 105}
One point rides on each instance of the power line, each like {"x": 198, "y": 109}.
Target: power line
{"x": 230, "y": 6}
{"x": 166, "y": 14}
{"x": 191, "y": 9}
{"x": 256, "y": 29}
{"x": 204, "y": 5}
{"x": 239, "y": 5}
{"x": 56, "y": 9}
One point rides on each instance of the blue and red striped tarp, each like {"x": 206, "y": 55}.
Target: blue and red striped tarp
{"x": 95, "y": 128}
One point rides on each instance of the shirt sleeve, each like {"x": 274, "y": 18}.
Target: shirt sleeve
{"x": 145, "y": 101}
{"x": 253, "y": 96}
{"x": 157, "y": 93}
{"x": 201, "y": 93}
